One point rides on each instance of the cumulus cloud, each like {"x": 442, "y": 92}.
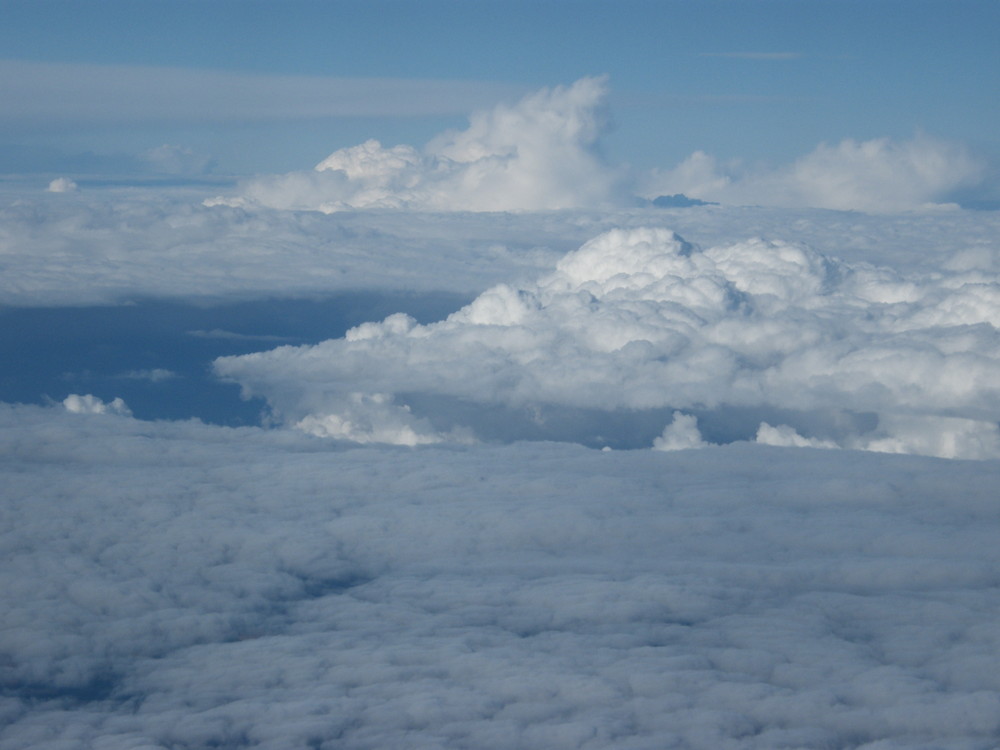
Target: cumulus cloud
{"x": 62, "y": 185}
{"x": 539, "y": 154}
{"x": 879, "y": 175}
{"x": 640, "y": 320}
{"x": 90, "y": 404}
{"x": 786, "y": 436}
{"x": 173, "y": 584}
{"x": 682, "y": 433}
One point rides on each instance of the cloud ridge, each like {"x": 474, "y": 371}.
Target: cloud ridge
{"x": 541, "y": 153}
{"x": 639, "y": 319}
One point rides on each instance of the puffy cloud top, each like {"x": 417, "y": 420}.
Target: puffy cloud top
{"x": 62, "y": 185}
{"x": 879, "y": 175}
{"x": 538, "y": 154}
{"x": 640, "y": 319}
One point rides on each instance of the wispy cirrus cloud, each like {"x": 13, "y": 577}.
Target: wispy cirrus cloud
{"x": 755, "y": 55}
{"x": 34, "y": 92}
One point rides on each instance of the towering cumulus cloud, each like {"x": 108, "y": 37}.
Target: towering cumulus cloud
{"x": 538, "y": 154}
{"x": 759, "y": 338}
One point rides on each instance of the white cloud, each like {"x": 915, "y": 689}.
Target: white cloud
{"x": 539, "y": 154}
{"x": 879, "y": 175}
{"x": 786, "y": 436}
{"x": 681, "y": 434}
{"x": 640, "y": 319}
{"x": 172, "y": 584}
{"x": 90, "y": 404}
{"x": 62, "y": 185}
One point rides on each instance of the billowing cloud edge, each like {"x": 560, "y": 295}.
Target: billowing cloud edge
{"x": 543, "y": 153}
{"x": 640, "y": 321}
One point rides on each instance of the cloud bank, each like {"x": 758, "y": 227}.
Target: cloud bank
{"x": 878, "y": 176}
{"x": 175, "y": 585}
{"x": 539, "y": 154}
{"x": 641, "y": 321}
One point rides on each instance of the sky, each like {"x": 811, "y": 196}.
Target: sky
{"x": 588, "y": 376}
{"x": 242, "y": 87}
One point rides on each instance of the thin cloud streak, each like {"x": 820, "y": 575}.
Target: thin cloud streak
{"x": 755, "y": 55}
{"x": 55, "y": 92}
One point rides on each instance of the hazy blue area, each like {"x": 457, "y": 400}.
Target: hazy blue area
{"x": 47, "y": 353}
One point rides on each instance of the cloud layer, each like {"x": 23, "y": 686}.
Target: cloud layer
{"x": 178, "y": 585}
{"x": 639, "y": 320}
{"x": 56, "y": 94}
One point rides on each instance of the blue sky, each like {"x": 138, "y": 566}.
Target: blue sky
{"x": 94, "y": 86}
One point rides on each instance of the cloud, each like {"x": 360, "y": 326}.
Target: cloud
{"x": 786, "y": 436}
{"x": 681, "y": 434}
{"x": 155, "y": 375}
{"x": 539, "y": 154}
{"x": 90, "y": 404}
{"x": 110, "y": 245}
{"x": 543, "y": 153}
{"x": 879, "y": 175}
{"x": 70, "y": 94}
{"x": 128, "y": 243}
{"x": 641, "y": 320}
{"x": 62, "y": 185}
{"x": 173, "y": 584}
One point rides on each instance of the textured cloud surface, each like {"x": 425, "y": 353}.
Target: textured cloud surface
{"x": 639, "y": 320}
{"x": 543, "y": 153}
{"x": 173, "y": 585}
{"x": 95, "y": 246}
{"x": 878, "y": 176}
{"x": 536, "y": 155}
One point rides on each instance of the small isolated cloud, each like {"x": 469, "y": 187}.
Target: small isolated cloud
{"x": 155, "y": 375}
{"x": 219, "y": 333}
{"x": 90, "y": 404}
{"x": 539, "y": 154}
{"x": 681, "y": 434}
{"x": 640, "y": 321}
{"x": 786, "y": 436}
{"x": 62, "y": 185}
{"x": 879, "y": 175}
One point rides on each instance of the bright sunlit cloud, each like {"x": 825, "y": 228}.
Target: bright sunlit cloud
{"x": 639, "y": 320}
{"x": 544, "y": 153}
{"x": 539, "y": 154}
{"x": 561, "y": 429}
